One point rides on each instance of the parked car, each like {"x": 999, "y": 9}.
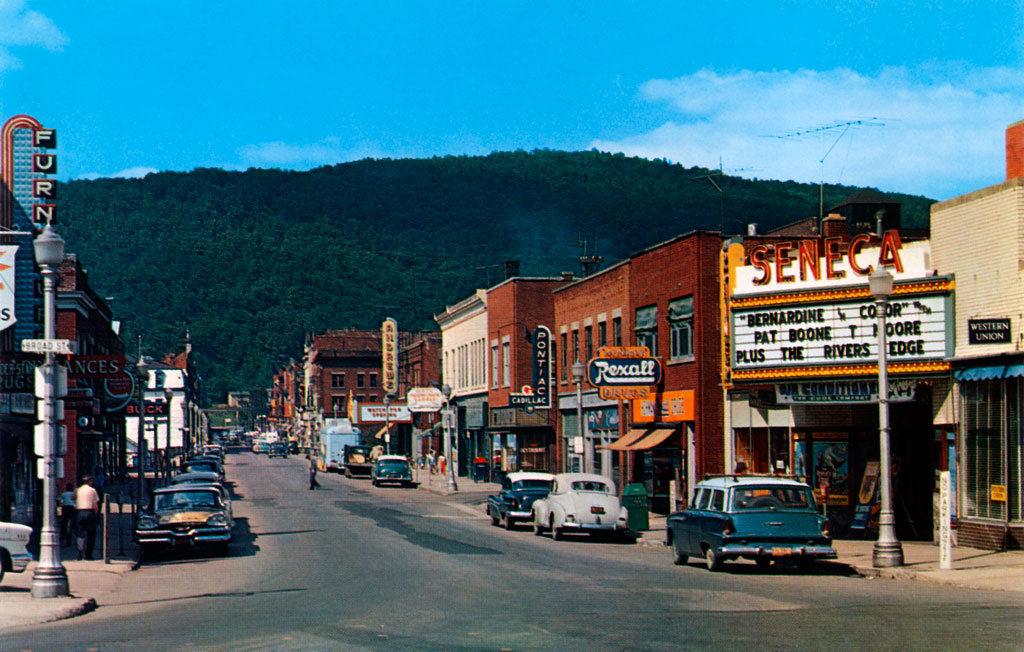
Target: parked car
{"x": 196, "y": 477}
{"x": 261, "y": 447}
{"x": 14, "y": 556}
{"x": 391, "y": 469}
{"x": 514, "y": 501}
{"x": 760, "y": 518}
{"x": 210, "y": 466}
{"x": 580, "y": 502}
{"x": 185, "y": 516}
{"x": 278, "y": 449}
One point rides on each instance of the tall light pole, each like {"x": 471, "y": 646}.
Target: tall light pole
{"x": 387, "y": 423}
{"x": 50, "y": 579}
{"x": 887, "y": 551}
{"x": 168, "y": 396}
{"x": 447, "y": 419}
{"x": 577, "y": 377}
{"x": 142, "y": 377}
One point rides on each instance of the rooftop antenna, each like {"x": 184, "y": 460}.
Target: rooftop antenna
{"x": 845, "y": 126}
{"x": 710, "y": 176}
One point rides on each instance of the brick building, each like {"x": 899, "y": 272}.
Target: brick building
{"x": 525, "y": 437}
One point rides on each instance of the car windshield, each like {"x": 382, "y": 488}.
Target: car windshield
{"x": 590, "y": 485}
{"x": 202, "y": 466}
{"x": 185, "y": 499}
{"x": 778, "y": 497}
{"x": 532, "y": 484}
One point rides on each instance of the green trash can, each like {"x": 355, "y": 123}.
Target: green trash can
{"x": 634, "y": 499}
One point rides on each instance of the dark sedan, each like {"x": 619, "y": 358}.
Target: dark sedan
{"x": 185, "y": 516}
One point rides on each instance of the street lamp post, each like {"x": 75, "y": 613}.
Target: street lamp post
{"x": 50, "y": 579}
{"x": 447, "y": 419}
{"x": 142, "y": 377}
{"x": 168, "y": 396}
{"x": 577, "y": 377}
{"x": 887, "y": 551}
{"x": 387, "y": 423}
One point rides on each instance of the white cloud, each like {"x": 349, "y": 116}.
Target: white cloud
{"x": 23, "y": 27}
{"x": 294, "y": 156}
{"x": 129, "y": 173}
{"x": 937, "y": 132}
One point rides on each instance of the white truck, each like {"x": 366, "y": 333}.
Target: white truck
{"x": 334, "y": 437}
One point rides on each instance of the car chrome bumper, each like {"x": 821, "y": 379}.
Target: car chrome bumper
{"x": 520, "y": 516}
{"x": 778, "y": 551}
{"x": 184, "y": 538}
{"x": 20, "y": 562}
{"x": 612, "y": 525}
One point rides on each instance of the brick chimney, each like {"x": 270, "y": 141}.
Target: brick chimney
{"x": 1015, "y": 150}
{"x": 834, "y": 224}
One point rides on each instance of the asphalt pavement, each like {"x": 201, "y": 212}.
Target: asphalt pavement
{"x": 90, "y": 582}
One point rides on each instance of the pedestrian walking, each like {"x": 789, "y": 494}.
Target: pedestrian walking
{"x": 87, "y": 509}
{"x": 441, "y": 462}
{"x": 313, "y": 484}
{"x": 66, "y": 503}
{"x": 431, "y": 461}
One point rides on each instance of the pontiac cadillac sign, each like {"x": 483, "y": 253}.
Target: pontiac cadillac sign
{"x": 538, "y": 394}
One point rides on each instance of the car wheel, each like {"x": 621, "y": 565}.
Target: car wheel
{"x": 374, "y": 483}
{"x": 537, "y": 529}
{"x": 712, "y": 559}
{"x": 509, "y": 524}
{"x": 763, "y": 562}
{"x": 677, "y": 555}
{"x": 494, "y": 519}
{"x": 556, "y": 532}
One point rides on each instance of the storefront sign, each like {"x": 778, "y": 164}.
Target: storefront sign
{"x": 667, "y": 406}
{"x": 389, "y": 355}
{"x": 7, "y": 269}
{"x": 378, "y": 413}
{"x": 538, "y": 394}
{"x": 988, "y": 331}
{"x": 603, "y": 419}
{"x": 815, "y": 263}
{"x": 840, "y": 391}
{"x": 838, "y": 333}
{"x": 152, "y": 408}
{"x": 624, "y": 373}
{"x": 997, "y": 493}
{"x": 424, "y": 399}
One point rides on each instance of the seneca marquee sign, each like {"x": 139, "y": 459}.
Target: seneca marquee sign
{"x": 804, "y": 309}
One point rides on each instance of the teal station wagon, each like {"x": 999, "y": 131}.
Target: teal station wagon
{"x": 751, "y": 517}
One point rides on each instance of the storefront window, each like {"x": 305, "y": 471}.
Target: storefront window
{"x": 983, "y": 415}
{"x": 763, "y": 450}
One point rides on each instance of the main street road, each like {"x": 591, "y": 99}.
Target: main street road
{"x": 353, "y": 567}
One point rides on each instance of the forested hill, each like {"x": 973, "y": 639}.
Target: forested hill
{"x": 250, "y": 261}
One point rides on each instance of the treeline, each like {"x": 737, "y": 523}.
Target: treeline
{"x": 249, "y": 262}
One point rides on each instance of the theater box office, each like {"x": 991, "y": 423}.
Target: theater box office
{"x": 802, "y": 368}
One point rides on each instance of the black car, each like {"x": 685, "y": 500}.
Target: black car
{"x": 278, "y": 449}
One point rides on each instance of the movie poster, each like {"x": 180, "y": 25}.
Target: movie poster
{"x": 831, "y": 474}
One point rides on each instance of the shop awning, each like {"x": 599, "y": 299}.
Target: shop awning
{"x": 989, "y": 373}
{"x": 623, "y": 442}
{"x": 653, "y": 438}
{"x": 380, "y": 433}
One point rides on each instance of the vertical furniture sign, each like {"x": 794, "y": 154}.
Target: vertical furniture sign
{"x": 389, "y": 355}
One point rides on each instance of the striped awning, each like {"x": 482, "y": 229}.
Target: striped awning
{"x": 989, "y": 373}
{"x": 623, "y": 442}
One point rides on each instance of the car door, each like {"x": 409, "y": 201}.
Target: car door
{"x": 685, "y": 523}
{"x": 711, "y": 521}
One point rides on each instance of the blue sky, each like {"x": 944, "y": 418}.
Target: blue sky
{"x": 765, "y": 88}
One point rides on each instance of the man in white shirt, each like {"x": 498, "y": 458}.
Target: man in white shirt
{"x": 87, "y": 509}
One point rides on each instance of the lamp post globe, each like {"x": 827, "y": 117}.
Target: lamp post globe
{"x": 49, "y": 248}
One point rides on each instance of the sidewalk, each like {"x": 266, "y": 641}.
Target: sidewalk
{"x": 87, "y": 580}
{"x": 972, "y": 568}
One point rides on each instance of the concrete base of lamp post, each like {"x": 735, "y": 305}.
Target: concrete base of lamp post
{"x": 50, "y": 582}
